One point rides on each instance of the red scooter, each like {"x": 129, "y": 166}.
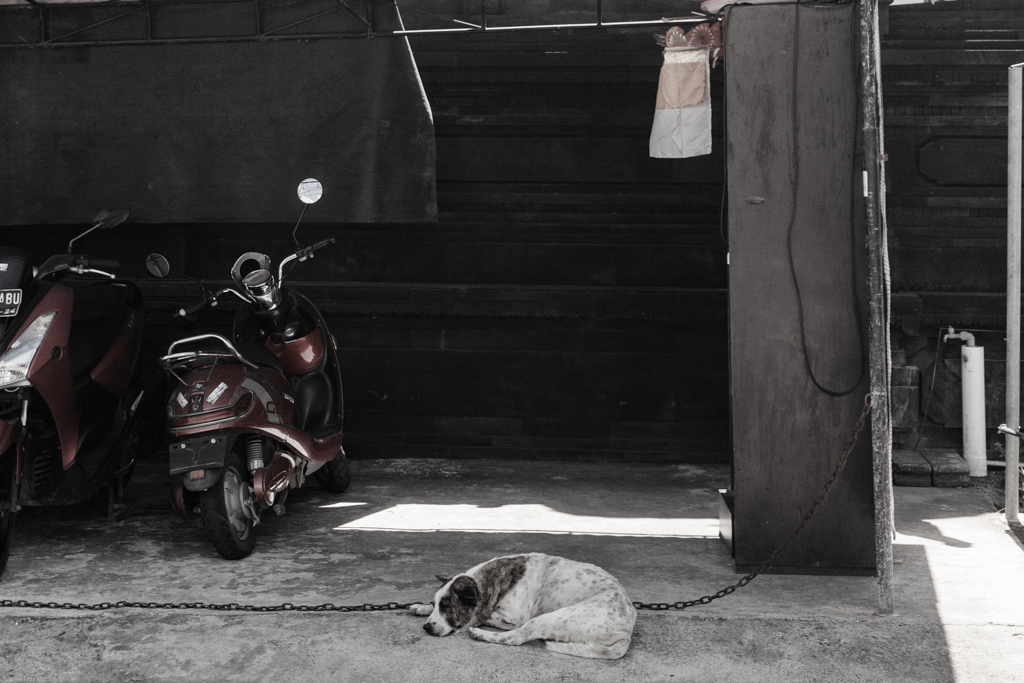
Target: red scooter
{"x": 254, "y": 415}
{"x": 70, "y": 335}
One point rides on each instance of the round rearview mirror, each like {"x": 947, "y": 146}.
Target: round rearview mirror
{"x": 108, "y": 219}
{"x": 310, "y": 191}
{"x": 157, "y": 265}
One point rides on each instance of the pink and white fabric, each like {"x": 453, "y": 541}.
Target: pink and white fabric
{"x": 682, "y": 114}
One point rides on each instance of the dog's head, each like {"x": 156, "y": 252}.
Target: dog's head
{"x": 456, "y": 605}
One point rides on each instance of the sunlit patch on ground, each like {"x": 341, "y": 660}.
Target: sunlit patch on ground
{"x": 536, "y": 519}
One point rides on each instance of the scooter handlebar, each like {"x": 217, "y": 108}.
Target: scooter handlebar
{"x": 103, "y": 263}
{"x": 189, "y": 310}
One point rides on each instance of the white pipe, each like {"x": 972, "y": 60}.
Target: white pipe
{"x": 1013, "y": 209}
{"x": 972, "y": 387}
{"x": 972, "y": 376}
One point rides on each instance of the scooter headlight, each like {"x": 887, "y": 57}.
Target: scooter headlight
{"x": 264, "y": 292}
{"x": 15, "y": 362}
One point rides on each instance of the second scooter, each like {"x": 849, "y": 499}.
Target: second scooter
{"x": 254, "y": 415}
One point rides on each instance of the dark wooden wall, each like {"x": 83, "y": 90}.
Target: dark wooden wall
{"x": 944, "y": 77}
{"x": 570, "y": 301}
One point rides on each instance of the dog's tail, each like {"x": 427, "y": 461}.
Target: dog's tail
{"x": 592, "y": 650}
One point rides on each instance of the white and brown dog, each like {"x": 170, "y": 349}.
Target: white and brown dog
{"x": 576, "y": 608}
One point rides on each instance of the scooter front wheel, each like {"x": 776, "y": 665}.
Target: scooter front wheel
{"x": 8, "y": 505}
{"x": 226, "y": 508}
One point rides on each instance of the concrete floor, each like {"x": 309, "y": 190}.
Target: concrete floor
{"x": 960, "y": 585}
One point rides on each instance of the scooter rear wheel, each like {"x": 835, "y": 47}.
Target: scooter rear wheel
{"x": 8, "y": 505}
{"x": 224, "y": 507}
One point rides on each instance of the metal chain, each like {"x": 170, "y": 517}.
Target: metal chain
{"x": 226, "y": 607}
{"x": 392, "y": 606}
{"x": 796, "y": 532}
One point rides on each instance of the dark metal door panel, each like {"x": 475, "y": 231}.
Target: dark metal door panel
{"x": 787, "y": 434}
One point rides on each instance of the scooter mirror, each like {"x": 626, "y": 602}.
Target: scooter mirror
{"x": 108, "y": 219}
{"x": 310, "y": 191}
{"x": 157, "y": 265}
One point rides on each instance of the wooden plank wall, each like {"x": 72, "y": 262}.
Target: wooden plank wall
{"x": 944, "y": 78}
{"x": 610, "y": 343}
{"x": 570, "y": 301}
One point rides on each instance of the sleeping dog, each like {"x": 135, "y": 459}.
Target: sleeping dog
{"x": 575, "y": 608}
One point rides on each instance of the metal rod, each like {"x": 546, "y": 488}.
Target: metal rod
{"x": 44, "y": 43}
{"x": 877, "y": 327}
{"x": 75, "y": 239}
{"x": 190, "y": 41}
{"x": 98, "y": 23}
{"x": 351, "y": 11}
{"x": 300, "y": 21}
{"x": 370, "y": 33}
{"x": 549, "y": 27}
{"x": 1013, "y": 237}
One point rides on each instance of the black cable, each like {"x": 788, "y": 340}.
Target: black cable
{"x": 725, "y": 124}
{"x": 795, "y": 178}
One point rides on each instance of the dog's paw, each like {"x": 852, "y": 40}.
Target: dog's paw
{"x": 477, "y": 633}
{"x": 420, "y": 610}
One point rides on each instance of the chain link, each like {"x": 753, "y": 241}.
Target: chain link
{"x": 393, "y": 606}
{"x": 792, "y": 537}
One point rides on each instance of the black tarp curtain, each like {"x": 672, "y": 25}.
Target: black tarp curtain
{"x": 216, "y": 131}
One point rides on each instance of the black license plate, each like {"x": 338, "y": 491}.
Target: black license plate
{"x": 10, "y": 302}
{"x": 200, "y": 453}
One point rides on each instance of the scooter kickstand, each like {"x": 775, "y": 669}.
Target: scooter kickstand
{"x": 116, "y": 509}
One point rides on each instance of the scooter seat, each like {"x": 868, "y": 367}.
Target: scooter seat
{"x": 97, "y": 316}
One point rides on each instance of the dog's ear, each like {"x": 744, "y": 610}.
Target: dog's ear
{"x": 465, "y": 589}
{"x": 443, "y": 579}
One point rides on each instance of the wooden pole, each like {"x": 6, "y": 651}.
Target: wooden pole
{"x": 877, "y": 307}
{"x": 1013, "y": 209}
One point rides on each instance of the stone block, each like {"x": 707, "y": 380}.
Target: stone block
{"x": 905, "y": 412}
{"x": 909, "y": 468}
{"x": 905, "y": 376}
{"x": 906, "y": 311}
{"x": 949, "y": 470}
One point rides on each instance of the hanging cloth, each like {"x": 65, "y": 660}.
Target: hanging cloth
{"x": 682, "y": 115}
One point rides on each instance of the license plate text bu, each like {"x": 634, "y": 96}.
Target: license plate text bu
{"x": 10, "y": 301}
